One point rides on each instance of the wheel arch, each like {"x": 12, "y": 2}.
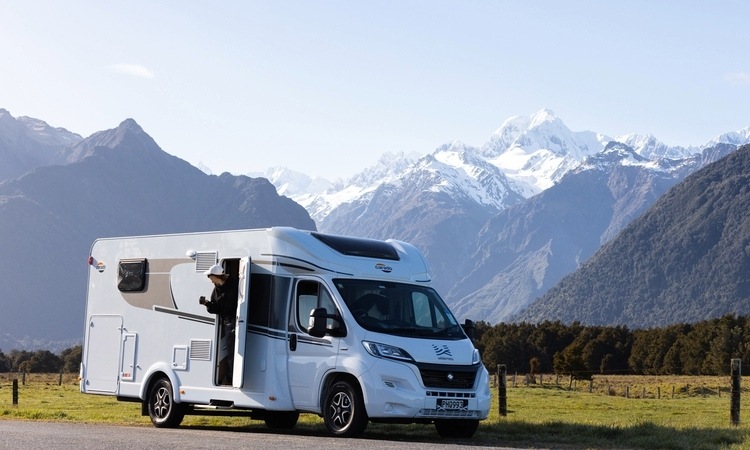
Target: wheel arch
{"x": 156, "y": 372}
{"x": 332, "y": 378}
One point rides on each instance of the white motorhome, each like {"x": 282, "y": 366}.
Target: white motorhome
{"x": 342, "y": 327}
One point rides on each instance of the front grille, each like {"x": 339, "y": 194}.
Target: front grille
{"x": 448, "y": 394}
{"x": 448, "y": 413}
{"x": 448, "y": 377}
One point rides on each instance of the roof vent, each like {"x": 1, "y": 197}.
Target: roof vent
{"x": 365, "y": 248}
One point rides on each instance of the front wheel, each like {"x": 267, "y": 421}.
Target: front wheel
{"x": 456, "y": 428}
{"x": 344, "y": 410}
{"x": 162, "y": 409}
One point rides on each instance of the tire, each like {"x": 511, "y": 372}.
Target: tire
{"x": 457, "y": 428}
{"x": 281, "y": 420}
{"x": 162, "y": 409}
{"x": 344, "y": 410}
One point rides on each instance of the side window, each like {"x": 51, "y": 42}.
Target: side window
{"x": 312, "y": 295}
{"x": 422, "y": 312}
{"x": 131, "y": 275}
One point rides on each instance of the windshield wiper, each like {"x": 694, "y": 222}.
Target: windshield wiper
{"x": 450, "y": 331}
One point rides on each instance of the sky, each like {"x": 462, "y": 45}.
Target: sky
{"x": 325, "y": 87}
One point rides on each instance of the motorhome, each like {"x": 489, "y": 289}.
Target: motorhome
{"x": 346, "y": 328}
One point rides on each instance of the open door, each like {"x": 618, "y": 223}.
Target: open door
{"x": 240, "y": 329}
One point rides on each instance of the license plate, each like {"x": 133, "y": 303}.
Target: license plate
{"x": 452, "y": 404}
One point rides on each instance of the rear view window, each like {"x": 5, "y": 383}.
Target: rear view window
{"x": 131, "y": 275}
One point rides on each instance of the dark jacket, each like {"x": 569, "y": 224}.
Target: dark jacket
{"x": 224, "y": 300}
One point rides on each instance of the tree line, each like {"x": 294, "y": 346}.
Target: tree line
{"x": 580, "y": 351}
{"x": 41, "y": 361}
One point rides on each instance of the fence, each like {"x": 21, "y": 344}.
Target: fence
{"x": 24, "y": 378}
{"x": 731, "y": 385}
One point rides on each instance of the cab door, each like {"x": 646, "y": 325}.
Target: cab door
{"x": 240, "y": 335}
{"x": 309, "y": 357}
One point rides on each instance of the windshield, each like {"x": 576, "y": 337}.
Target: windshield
{"x": 399, "y": 308}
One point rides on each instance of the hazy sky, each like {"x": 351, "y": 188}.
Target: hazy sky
{"x": 326, "y": 87}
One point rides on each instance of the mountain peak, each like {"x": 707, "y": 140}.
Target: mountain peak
{"x": 131, "y": 125}
{"x": 542, "y": 116}
{"x": 614, "y": 153}
{"x": 128, "y": 134}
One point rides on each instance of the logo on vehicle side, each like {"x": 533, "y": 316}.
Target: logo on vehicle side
{"x": 442, "y": 352}
{"x": 383, "y": 267}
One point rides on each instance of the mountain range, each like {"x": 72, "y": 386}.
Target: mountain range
{"x": 500, "y": 224}
{"x": 503, "y": 222}
{"x": 687, "y": 258}
{"x": 73, "y": 190}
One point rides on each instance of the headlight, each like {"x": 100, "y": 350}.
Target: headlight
{"x": 475, "y": 358}
{"x": 386, "y": 351}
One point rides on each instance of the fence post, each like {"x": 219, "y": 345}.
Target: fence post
{"x": 15, "y": 391}
{"x": 23, "y": 378}
{"x": 735, "y": 404}
{"x": 502, "y": 389}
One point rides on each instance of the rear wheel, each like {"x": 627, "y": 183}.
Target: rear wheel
{"x": 162, "y": 409}
{"x": 281, "y": 420}
{"x": 457, "y": 428}
{"x": 344, "y": 410}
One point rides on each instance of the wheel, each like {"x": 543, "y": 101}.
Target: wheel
{"x": 281, "y": 420}
{"x": 344, "y": 410}
{"x": 162, "y": 409}
{"x": 457, "y": 428}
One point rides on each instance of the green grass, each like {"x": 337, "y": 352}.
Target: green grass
{"x": 546, "y": 415}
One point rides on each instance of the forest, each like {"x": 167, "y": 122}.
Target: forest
{"x": 702, "y": 348}
{"x": 579, "y": 351}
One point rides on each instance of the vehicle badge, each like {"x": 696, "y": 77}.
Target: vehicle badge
{"x": 442, "y": 352}
{"x": 383, "y": 267}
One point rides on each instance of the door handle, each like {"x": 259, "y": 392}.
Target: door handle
{"x": 293, "y": 342}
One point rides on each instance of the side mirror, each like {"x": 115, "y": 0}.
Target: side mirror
{"x": 468, "y": 327}
{"x": 317, "y": 323}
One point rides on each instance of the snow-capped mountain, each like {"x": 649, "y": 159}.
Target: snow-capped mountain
{"x": 540, "y": 149}
{"x": 495, "y": 244}
{"x": 320, "y": 196}
{"x": 525, "y": 155}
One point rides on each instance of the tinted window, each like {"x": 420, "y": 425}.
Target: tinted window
{"x": 131, "y": 275}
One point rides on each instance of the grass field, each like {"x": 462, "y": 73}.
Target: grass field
{"x": 659, "y": 413}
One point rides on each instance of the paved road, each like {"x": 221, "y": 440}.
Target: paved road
{"x": 21, "y": 435}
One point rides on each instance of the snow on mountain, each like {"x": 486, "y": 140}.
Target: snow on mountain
{"x": 320, "y": 196}
{"x": 618, "y": 153}
{"x": 204, "y": 168}
{"x": 739, "y": 137}
{"x": 537, "y": 151}
{"x": 650, "y": 147}
{"x": 523, "y": 157}
{"x": 461, "y": 171}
